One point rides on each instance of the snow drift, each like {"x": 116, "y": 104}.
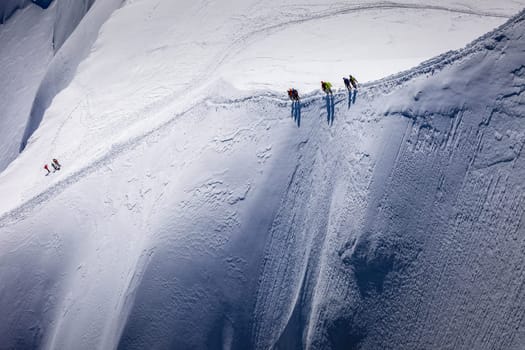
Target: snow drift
{"x": 389, "y": 219}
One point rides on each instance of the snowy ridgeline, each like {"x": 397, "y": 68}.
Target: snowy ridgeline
{"x": 392, "y": 223}
{"x": 161, "y": 54}
{"x": 404, "y": 228}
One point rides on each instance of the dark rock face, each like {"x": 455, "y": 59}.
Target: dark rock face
{"x": 43, "y": 3}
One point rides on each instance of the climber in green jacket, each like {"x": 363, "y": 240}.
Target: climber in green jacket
{"x": 326, "y": 87}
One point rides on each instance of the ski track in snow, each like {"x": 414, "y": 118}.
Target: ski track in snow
{"x": 371, "y": 89}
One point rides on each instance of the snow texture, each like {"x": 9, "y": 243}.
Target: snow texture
{"x": 8, "y": 7}
{"x": 192, "y": 214}
{"x": 31, "y": 55}
{"x": 62, "y": 68}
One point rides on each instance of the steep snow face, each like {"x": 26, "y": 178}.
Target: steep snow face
{"x": 68, "y": 15}
{"x": 62, "y": 68}
{"x": 420, "y": 244}
{"x": 23, "y": 63}
{"x": 215, "y": 218}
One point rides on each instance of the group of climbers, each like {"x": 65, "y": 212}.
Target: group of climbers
{"x": 350, "y": 84}
{"x": 55, "y": 164}
{"x": 293, "y": 94}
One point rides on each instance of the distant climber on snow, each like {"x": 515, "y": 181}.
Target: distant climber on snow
{"x": 326, "y": 87}
{"x": 293, "y": 94}
{"x": 47, "y": 168}
{"x": 347, "y": 83}
{"x": 353, "y": 81}
{"x": 56, "y": 164}
{"x": 296, "y": 105}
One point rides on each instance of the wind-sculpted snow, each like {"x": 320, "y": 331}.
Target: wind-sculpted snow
{"x": 424, "y": 248}
{"x": 389, "y": 219}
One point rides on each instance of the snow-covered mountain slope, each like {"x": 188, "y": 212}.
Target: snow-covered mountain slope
{"x": 22, "y": 65}
{"x": 135, "y": 79}
{"x": 421, "y": 243}
{"x": 192, "y": 215}
{"x": 162, "y": 52}
{"x": 34, "y": 65}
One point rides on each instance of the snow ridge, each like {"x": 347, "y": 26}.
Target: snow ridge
{"x": 484, "y": 42}
{"x": 369, "y": 91}
{"x": 407, "y": 248}
{"x": 239, "y": 43}
{"x": 224, "y": 223}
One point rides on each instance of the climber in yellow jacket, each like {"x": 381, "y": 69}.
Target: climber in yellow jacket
{"x": 326, "y": 87}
